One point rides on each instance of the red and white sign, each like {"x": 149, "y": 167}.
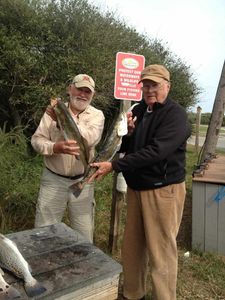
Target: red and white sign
{"x": 127, "y": 75}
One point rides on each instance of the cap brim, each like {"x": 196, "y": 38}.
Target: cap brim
{"x": 152, "y": 78}
{"x": 84, "y": 84}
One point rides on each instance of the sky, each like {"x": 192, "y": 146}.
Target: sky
{"x": 193, "y": 30}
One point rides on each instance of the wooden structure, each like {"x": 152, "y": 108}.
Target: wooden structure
{"x": 208, "y": 207}
{"x": 68, "y": 267}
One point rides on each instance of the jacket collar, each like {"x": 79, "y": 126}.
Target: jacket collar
{"x": 156, "y": 105}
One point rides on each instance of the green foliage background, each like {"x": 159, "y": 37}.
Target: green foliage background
{"x": 19, "y": 182}
{"x": 44, "y": 43}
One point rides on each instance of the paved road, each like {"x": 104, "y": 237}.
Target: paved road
{"x": 220, "y": 143}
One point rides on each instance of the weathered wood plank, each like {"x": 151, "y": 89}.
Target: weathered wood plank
{"x": 221, "y": 227}
{"x": 198, "y": 216}
{"x": 211, "y": 218}
{"x": 212, "y": 229}
{"x": 215, "y": 172}
{"x": 101, "y": 290}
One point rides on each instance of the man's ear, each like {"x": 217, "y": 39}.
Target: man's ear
{"x": 68, "y": 88}
{"x": 169, "y": 85}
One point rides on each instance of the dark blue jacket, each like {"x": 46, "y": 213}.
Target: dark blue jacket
{"x": 155, "y": 151}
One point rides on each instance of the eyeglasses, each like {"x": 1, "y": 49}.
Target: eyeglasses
{"x": 152, "y": 86}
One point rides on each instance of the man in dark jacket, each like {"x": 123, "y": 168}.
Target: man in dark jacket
{"x": 154, "y": 169}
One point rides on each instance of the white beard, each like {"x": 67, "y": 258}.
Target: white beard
{"x": 79, "y": 103}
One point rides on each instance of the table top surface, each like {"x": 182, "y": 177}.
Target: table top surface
{"x": 214, "y": 173}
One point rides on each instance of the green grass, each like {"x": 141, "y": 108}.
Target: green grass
{"x": 203, "y": 130}
{"x": 192, "y": 158}
{"x": 201, "y": 276}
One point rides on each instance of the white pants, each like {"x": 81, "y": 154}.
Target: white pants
{"x": 55, "y": 196}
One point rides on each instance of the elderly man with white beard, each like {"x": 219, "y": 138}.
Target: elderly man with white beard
{"x": 62, "y": 166}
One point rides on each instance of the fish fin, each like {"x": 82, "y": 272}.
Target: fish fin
{"x": 34, "y": 288}
{"x": 131, "y": 108}
{"x": 6, "y": 290}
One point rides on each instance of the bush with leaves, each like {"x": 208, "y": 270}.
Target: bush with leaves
{"x": 43, "y": 43}
{"x": 19, "y": 181}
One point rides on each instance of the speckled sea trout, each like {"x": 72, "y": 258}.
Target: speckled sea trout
{"x": 70, "y": 130}
{"x": 108, "y": 149}
{"x": 11, "y": 259}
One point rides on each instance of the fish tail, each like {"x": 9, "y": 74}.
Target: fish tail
{"x": 34, "y": 288}
{"x": 77, "y": 188}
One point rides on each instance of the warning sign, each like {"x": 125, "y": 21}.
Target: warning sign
{"x": 127, "y": 75}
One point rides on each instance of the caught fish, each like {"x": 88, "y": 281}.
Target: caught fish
{"x": 107, "y": 151}
{"x": 11, "y": 259}
{"x": 70, "y": 130}
{"x": 7, "y": 292}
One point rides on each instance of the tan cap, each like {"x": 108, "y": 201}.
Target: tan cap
{"x": 155, "y": 73}
{"x": 84, "y": 80}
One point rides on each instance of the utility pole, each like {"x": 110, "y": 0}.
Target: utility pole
{"x": 216, "y": 119}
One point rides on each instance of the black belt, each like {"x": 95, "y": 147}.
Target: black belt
{"x": 69, "y": 177}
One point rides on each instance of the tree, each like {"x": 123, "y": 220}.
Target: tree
{"x": 216, "y": 120}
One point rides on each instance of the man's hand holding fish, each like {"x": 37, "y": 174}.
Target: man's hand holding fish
{"x": 104, "y": 168}
{"x": 67, "y": 147}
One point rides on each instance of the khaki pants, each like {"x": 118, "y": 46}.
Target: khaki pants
{"x": 55, "y": 196}
{"x": 152, "y": 224}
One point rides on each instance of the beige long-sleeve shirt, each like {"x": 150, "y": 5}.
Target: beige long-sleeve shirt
{"x": 90, "y": 123}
